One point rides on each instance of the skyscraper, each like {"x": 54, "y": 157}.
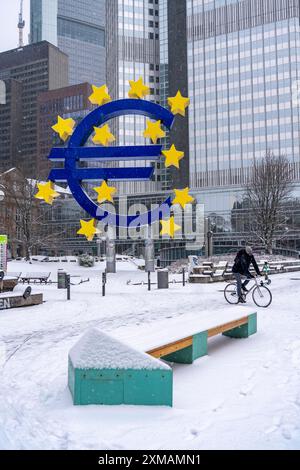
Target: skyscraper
{"x": 133, "y": 51}
{"x": 69, "y": 102}
{"x": 10, "y": 125}
{"x": 243, "y": 80}
{"x": 27, "y": 71}
{"x": 78, "y": 29}
{"x": 243, "y": 64}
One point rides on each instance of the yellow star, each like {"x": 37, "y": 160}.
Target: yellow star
{"x": 154, "y": 131}
{"x": 105, "y": 192}
{"x": 169, "y": 227}
{"x": 178, "y": 104}
{"x": 173, "y": 157}
{"x": 138, "y": 89}
{"x": 100, "y": 95}
{"x": 64, "y": 127}
{"x": 103, "y": 136}
{"x": 88, "y": 229}
{"x": 46, "y": 192}
{"x": 182, "y": 197}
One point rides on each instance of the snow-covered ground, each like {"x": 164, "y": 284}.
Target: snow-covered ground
{"x": 244, "y": 395}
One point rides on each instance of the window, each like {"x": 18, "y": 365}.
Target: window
{"x": 81, "y": 32}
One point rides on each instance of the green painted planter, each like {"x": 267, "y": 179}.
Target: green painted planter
{"x": 116, "y": 386}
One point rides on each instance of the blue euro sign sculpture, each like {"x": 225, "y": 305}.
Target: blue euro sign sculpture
{"x": 76, "y": 152}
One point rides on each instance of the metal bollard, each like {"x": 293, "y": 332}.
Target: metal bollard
{"x": 103, "y": 283}
{"x": 183, "y": 277}
{"x": 149, "y": 281}
{"x": 68, "y": 287}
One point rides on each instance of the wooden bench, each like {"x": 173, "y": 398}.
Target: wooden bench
{"x": 200, "y": 278}
{"x": 42, "y": 278}
{"x": 187, "y": 349}
{"x": 177, "y": 340}
{"x": 184, "y": 339}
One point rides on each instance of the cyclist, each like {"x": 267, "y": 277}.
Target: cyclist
{"x": 241, "y": 269}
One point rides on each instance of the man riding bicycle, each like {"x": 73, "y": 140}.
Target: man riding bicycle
{"x": 241, "y": 269}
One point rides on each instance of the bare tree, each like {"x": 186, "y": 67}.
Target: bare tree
{"x": 267, "y": 193}
{"x": 25, "y": 215}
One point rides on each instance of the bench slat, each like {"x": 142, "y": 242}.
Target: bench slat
{"x": 227, "y": 327}
{"x": 171, "y": 348}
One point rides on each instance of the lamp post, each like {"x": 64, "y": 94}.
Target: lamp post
{"x": 209, "y": 242}
{"x": 99, "y": 242}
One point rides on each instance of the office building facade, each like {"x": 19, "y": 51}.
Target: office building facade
{"x": 133, "y": 51}
{"x": 243, "y": 81}
{"x": 30, "y": 71}
{"x": 78, "y": 29}
{"x": 243, "y": 64}
{"x": 68, "y": 102}
{"x": 10, "y": 121}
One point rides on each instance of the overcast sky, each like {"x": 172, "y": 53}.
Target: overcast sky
{"x": 9, "y": 34}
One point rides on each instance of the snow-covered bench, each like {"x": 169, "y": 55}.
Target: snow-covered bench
{"x": 218, "y": 275}
{"x": 8, "y": 283}
{"x": 20, "y": 297}
{"x": 126, "y": 368}
{"x": 187, "y": 335}
{"x": 14, "y": 274}
{"x": 200, "y": 278}
{"x": 42, "y": 278}
{"x": 190, "y": 341}
{"x": 291, "y": 269}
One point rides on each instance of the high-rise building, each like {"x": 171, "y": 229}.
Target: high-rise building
{"x": 178, "y": 80}
{"x": 243, "y": 63}
{"x": 133, "y": 51}
{"x": 76, "y": 28}
{"x": 68, "y": 102}
{"x": 36, "y": 68}
{"x": 243, "y": 81}
{"x": 10, "y": 121}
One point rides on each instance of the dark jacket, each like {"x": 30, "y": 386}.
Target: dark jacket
{"x": 242, "y": 263}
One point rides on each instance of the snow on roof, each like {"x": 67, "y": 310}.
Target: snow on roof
{"x": 97, "y": 350}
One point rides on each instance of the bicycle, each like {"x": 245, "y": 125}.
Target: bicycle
{"x": 261, "y": 295}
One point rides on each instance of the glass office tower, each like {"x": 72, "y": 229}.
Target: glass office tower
{"x": 243, "y": 76}
{"x": 78, "y": 29}
{"x": 132, "y": 52}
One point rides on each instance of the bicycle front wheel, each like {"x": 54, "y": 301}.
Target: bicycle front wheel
{"x": 262, "y": 296}
{"x": 230, "y": 294}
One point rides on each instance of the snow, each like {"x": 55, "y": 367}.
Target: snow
{"x": 96, "y": 350}
{"x": 175, "y": 329}
{"x": 244, "y": 395}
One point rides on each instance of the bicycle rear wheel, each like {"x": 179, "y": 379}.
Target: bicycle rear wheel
{"x": 230, "y": 294}
{"x": 262, "y": 296}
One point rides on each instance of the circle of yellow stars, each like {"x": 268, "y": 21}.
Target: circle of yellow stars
{"x": 103, "y": 136}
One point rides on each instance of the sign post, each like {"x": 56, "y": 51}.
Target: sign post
{"x": 111, "y": 256}
{"x": 3, "y": 253}
{"x": 149, "y": 256}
